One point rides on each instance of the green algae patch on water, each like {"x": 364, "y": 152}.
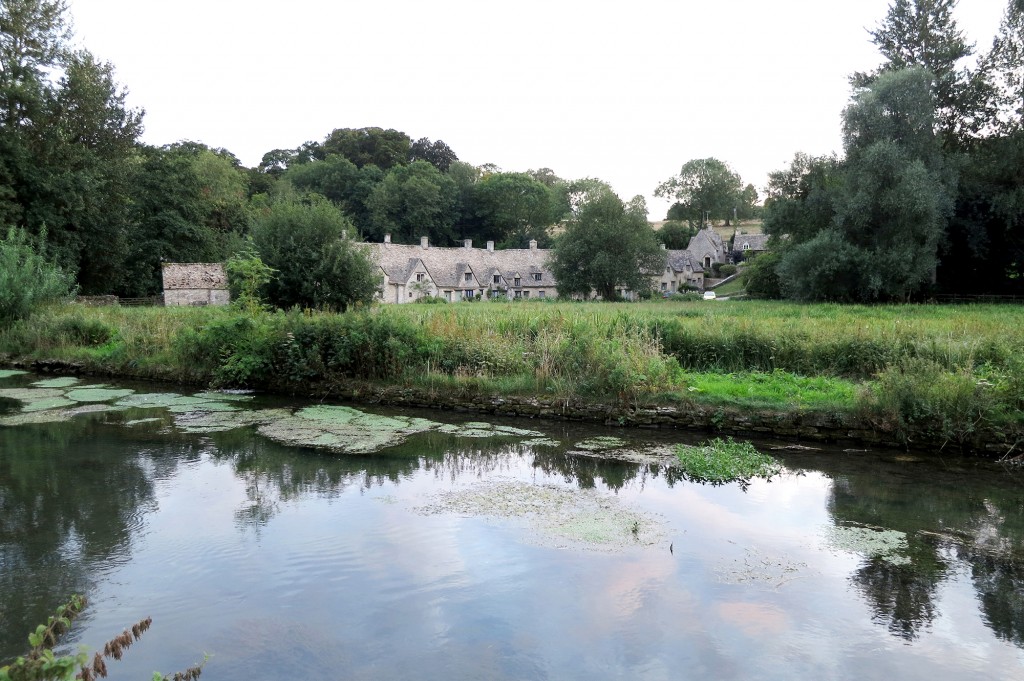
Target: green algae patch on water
{"x": 49, "y": 403}
{"x": 28, "y": 417}
{"x": 482, "y": 429}
{"x": 219, "y": 396}
{"x": 344, "y": 429}
{"x": 98, "y": 394}
{"x": 60, "y": 382}
{"x": 600, "y": 444}
{"x": 7, "y": 373}
{"x": 202, "y": 406}
{"x": 553, "y": 516}
{"x": 222, "y": 421}
{"x": 888, "y": 545}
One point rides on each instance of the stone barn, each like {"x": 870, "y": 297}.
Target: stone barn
{"x": 195, "y": 284}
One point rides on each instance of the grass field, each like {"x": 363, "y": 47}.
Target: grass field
{"x": 954, "y": 367}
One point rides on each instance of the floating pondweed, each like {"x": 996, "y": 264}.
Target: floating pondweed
{"x": 556, "y": 516}
{"x": 97, "y": 393}
{"x": 7, "y": 373}
{"x": 889, "y": 545}
{"x": 59, "y": 382}
{"x": 600, "y": 444}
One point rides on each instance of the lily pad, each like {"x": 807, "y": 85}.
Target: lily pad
{"x": 53, "y": 415}
{"x": 344, "y": 429}
{"x": 98, "y": 394}
{"x": 542, "y": 442}
{"x": 30, "y": 394}
{"x": 135, "y": 422}
{"x": 60, "y": 382}
{"x": 7, "y": 373}
{"x": 598, "y": 444}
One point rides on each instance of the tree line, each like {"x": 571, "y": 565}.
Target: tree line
{"x": 927, "y": 196}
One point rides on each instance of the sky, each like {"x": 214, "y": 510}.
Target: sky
{"x": 623, "y": 91}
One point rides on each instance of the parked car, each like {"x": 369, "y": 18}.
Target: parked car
{"x": 709, "y": 295}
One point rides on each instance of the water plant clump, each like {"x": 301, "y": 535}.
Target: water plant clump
{"x": 221, "y": 421}
{"x": 721, "y": 461}
{"x": 482, "y": 429}
{"x": 344, "y": 429}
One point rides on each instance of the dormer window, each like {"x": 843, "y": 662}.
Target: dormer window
{"x": 419, "y": 276}
{"x": 518, "y": 282}
{"x": 497, "y": 278}
{"x": 746, "y": 246}
{"x": 536, "y": 276}
{"x": 469, "y": 276}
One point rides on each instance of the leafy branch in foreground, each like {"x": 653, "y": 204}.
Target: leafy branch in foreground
{"x": 720, "y": 461}
{"x": 41, "y": 664}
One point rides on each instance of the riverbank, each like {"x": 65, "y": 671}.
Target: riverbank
{"x": 918, "y": 376}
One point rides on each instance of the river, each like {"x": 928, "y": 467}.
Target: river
{"x": 453, "y": 549}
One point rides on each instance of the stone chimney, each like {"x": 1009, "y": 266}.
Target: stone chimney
{"x": 467, "y": 243}
{"x": 490, "y": 246}
{"x": 533, "y": 244}
{"x": 424, "y": 242}
{"x": 387, "y": 238}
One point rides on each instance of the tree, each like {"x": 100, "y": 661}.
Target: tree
{"x": 676, "y": 235}
{"x": 33, "y": 38}
{"x": 346, "y": 185}
{"x": 923, "y": 33}
{"x": 873, "y": 229}
{"x": 437, "y": 154}
{"x": 1004, "y": 64}
{"x": 514, "y": 208}
{"x": 606, "y": 246}
{"x": 703, "y": 187}
{"x": 318, "y": 264}
{"x": 413, "y": 201}
{"x": 363, "y": 146}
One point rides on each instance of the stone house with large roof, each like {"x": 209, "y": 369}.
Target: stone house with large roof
{"x": 708, "y": 248}
{"x": 410, "y": 272}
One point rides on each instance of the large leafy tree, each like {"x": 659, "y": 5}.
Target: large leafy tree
{"x": 875, "y": 233}
{"x": 704, "y": 187}
{"x": 923, "y": 33}
{"x": 68, "y": 143}
{"x": 437, "y": 154}
{"x": 514, "y": 208}
{"x": 1004, "y": 65}
{"x": 413, "y": 201}
{"x": 363, "y": 146}
{"x": 346, "y": 185}
{"x": 606, "y": 246}
{"x": 317, "y": 263}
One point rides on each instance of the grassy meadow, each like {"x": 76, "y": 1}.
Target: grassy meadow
{"x": 950, "y": 369}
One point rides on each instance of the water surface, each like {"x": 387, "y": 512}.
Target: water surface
{"x": 291, "y": 562}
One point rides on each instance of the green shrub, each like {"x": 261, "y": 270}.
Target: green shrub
{"x": 27, "y": 278}
{"x": 727, "y": 270}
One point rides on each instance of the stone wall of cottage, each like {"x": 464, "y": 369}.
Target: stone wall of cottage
{"x": 195, "y": 284}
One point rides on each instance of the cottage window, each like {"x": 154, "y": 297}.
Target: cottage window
{"x": 746, "y": 246}
{"x": 540, "y": 294}
{"x": 519, "y": 294}
{"x": 518, "y": 282}
{"x": 419, "y": 276}
{"x": 664, "y": 286}
{"x": 469, "y": 276}
{"x": 526, "y": 294}
{"x": 497, "y": 278}
{"x": 536, "y": 276}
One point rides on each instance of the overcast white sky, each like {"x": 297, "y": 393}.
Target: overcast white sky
{"x": 625, "y": 91}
